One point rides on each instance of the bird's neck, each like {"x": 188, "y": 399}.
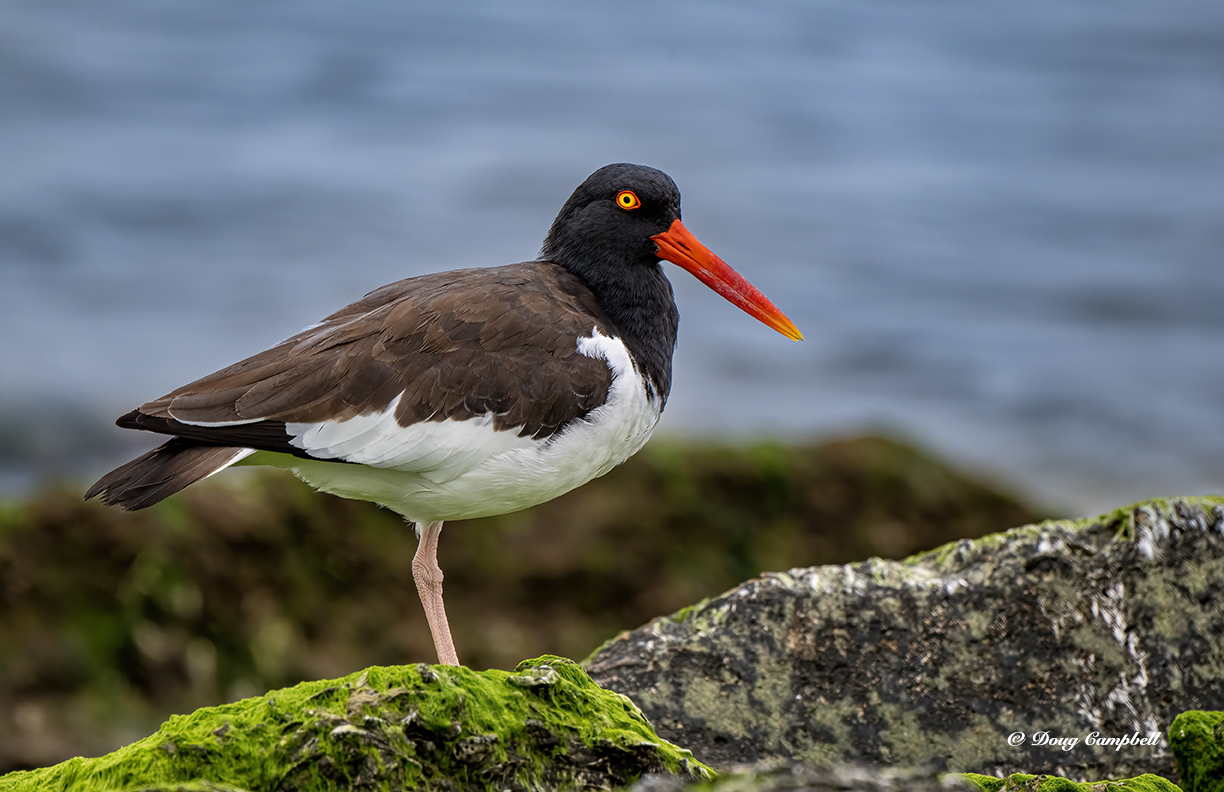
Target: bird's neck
{"x": 638, "y": 300}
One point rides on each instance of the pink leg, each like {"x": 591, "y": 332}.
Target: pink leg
{"x": 428, "y": 577}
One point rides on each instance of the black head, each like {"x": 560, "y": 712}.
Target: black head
{"x": 603, "y": 235}
{"x": 610, "y": 219}
{"x": 613, "y": 232}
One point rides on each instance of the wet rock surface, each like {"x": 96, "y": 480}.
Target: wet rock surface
{"x": 786, "y": 777}
{"x": 987, "y": 656}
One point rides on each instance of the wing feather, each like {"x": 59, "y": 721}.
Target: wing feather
{"x": 496, "y": 344}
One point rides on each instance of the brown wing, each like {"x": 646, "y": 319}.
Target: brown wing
{"x": 455, "y": 345}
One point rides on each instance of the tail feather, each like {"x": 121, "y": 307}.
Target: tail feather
{"x": 162, "y": 472}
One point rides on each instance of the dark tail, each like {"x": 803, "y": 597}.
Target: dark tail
{"x": 162, "y": 472}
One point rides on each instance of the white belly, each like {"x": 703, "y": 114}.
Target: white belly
{"x": 454, "y": 470}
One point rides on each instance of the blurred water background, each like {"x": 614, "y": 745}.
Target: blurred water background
{"x": 999, "y": 225}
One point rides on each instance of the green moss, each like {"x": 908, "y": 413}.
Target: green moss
{"x": 684, "y": 613}
{"x": 389, "y": 727}
{"x": 1043, "y": 783}
{"x": 194, "y": 786}
{"x": 983, "y": 782}
{"x": 944, "y": 553}
{"x": 1197, "y": 741}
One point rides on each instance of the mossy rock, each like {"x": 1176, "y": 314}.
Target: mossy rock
{"x": 1197, "y": 741}
{"x": 545, "y": 725}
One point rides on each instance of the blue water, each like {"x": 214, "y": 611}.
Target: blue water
{"x": 1000, "y": 226}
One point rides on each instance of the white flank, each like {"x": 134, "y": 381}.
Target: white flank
{"x": 437, "y": 450}
{"x": 453, "y": 470}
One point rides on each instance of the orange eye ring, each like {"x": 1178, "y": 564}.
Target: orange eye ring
{"x": 627, "y": 199}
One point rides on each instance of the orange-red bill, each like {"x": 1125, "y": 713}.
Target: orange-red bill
{"x": 678, "y": 245}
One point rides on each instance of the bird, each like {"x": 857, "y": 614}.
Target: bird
{"x": 460, "y": 394}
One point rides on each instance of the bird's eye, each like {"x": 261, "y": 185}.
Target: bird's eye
{"x": 627, "y": 199}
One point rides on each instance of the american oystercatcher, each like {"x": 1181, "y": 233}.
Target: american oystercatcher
{"x": 460, "y": 394}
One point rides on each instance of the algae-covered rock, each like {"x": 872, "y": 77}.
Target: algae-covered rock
{"x": 1061, "y": 647}
{"x": 1197, "y": 741}
{"x": 544, "y": 726}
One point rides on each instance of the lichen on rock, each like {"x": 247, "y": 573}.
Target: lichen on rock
{"x": 1063, "y": 631}
{"x": 544, "y": 726}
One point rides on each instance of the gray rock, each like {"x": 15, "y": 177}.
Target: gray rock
{"x": 785, "y": 777}
{"x": 1010, "y": 653}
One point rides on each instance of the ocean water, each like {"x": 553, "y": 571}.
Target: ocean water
{"x": 1000, "y": 226}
